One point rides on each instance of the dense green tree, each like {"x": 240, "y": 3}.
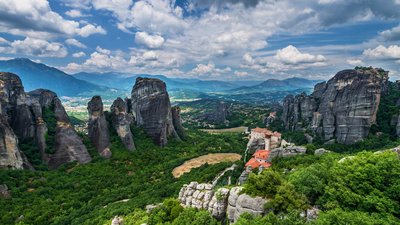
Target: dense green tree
{"x": 264, "y": 184}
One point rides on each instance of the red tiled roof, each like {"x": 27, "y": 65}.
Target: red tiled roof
{"x": 262, "y": 154}
{"x": 253, "y": 163}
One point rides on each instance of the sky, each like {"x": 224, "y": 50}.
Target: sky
{"x": 205, "y": 39}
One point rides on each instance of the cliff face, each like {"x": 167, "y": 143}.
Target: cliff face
{"x": 22, "y": 118}
{"x": 152, "y": 109}
{"x": 98, "y": 127}
{"x": 121, "y": 121}
{"x": 344, "y": 108}
{"x": 68, "y": 145}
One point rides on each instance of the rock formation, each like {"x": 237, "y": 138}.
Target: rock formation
{"x": 287, "y": 151}
{"x": 121, "y": 121}
{"x": 22, "y": 119}
{"x": 98, "y": 127}
{"x": 344, "y": 108}
{"x": 222, "y": 203}
{"x": 68, "y": 145}
{"x": 10, "y": 155}
{"x": 218, "y": 114}
{"x": 177, "y": 121}
{"x": 152, "y": 109}
{"x": 241, "y": 203}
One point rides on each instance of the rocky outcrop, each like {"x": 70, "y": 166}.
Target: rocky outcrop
{"x": 287, "y": 151}
{"x": 218, "y": 114}
{"x": 241, "y": 203}
{"x": 222, "y": 203}
{"x": 10, "y": 154}
{"x": 4, "y": 192}
{"x": 152, "y": 109}
{"x": 68, "y": 145}
{"x": 121, "y": 121}
{"x": 14, "y": 104}
{"x": 177, "y": 121}
{"x": 98, "y": 127}
{"x": 344, "y": 108}
{"x": 23, "y": 119}
{"x": 321, "y": 151}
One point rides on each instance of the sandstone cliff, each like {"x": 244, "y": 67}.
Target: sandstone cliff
{"x": 152, "y": 109}
{"x": 343, "y": 108}
{"x": 98, "y": 127}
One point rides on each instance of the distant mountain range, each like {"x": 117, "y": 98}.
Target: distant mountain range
{"x": 273, "y": 85}
{"x": 37, "y": 75}
{"x": 126, "y": 82}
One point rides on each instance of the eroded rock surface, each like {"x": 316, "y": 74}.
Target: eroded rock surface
{"x": 152, "y": 109}
{"x": 98, "y": 127}
{"x": 121, "y": 121}
{"x": 222, "y": 203}
{"x": 344, "y": 108}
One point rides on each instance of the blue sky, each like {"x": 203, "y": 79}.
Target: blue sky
{"x": 206, "y": 39}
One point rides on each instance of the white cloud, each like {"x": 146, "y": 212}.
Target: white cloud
{"x": 150, "y": 56}
{"x": 75, "y": 43}
{"x": 392, "y": 34}
{"x": 3, "y": 41}
{"x": 241, "y": 73}
{"x": 291, "y": 55}
{"x": 209, "y": 69}
{"x": 150, "y": 41}
{"x": 355, "y": 62}
{"x": 74, "y": 13}
{"x": 391, "y": 52}
{"x": 90, "y": 29}
{"x": 35, "y": 18}
{"x": 36, "y": 47}
{"x": 78, "y": 54}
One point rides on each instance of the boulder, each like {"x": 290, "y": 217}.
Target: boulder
{"x": 321, "y": 151}
{"x": 121, "y": 121}
{"x": 241, "y": 203}
{"x": 152, "y": 109}
{"x": 343, "y": 108}
{"x": 4, "y": 192}
{"x": 98, "y": 127}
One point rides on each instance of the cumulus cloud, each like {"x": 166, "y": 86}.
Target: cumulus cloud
{"x": 35, "y": 18}
{"x": 3, "y": 41}
{"x": 150, "y": 41}
{"x": 291, "y": 55}
{"x": 391, "y": 52}
{"x": 392, "y": 34}
{"x": 36, "y": 47}
{"x": 74, "y": 13}
{"x": 78, "y": 54}
{"x": 355, "y": 62}
{"x": 74, "y": 42}
{"x": 209, "y": 69}
{"x": 150, "y": 56}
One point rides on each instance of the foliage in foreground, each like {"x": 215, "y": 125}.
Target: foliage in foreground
{"x": 359, "y": 189}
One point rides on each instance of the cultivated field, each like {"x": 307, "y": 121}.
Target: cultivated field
{"x": 201, "y": 160}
